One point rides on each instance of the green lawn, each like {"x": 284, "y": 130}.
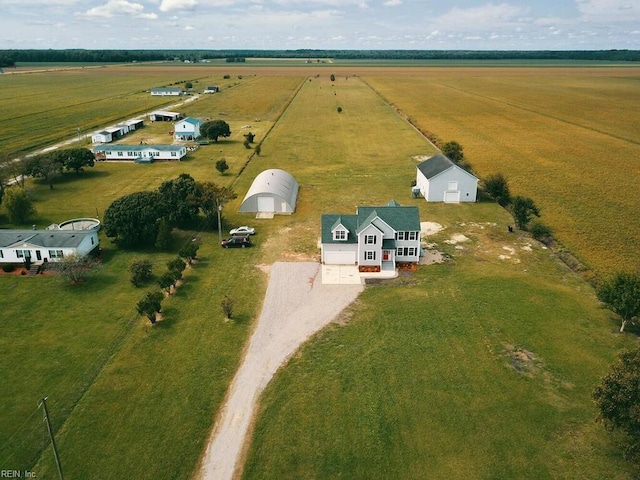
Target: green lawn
{"x": 419, "y": 379}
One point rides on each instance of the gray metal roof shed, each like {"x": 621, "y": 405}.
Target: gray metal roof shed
{"x": 272, "y": 191}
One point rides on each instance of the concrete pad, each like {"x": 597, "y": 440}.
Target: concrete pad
{"x": 340, "y": 275}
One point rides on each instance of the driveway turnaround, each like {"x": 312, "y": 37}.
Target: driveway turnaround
{"x": 297, "y": 305}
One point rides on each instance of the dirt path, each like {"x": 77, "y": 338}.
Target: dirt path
{"x": 295, "y": 307}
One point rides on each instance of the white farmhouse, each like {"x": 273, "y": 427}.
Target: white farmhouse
{"x": 166, "y": 91}
{"x": 187, "y": 129}
{"x": 77, "y": 237}
{"x": 375, "y": 238}
{"x": 139, "y": 153}
{"x": 440, "y": 180}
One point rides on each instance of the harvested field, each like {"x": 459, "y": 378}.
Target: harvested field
{"x": 566, "y": 138}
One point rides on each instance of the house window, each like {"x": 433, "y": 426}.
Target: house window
{"x": 406, "y": 251}
{"x": 173, "y": 154}
{"x": 23, "y": 253}
{"x": 56, "y": 254}
{"x": 400, "y": 236}
{"x": 92, "y": 242}
{"x": 413, "y": 251}
{"x": 412, "y": 235}
{"x": 1, "y": 254}
{"x": 370, "y": 255}
{"x": 370, "y": 239}
{"x": 339, "y": 235}
{"x": 120, "y": 154}
{"x": 400, "y": 251}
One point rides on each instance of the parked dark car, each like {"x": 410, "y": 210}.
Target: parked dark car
{"x": 237, "y": 241}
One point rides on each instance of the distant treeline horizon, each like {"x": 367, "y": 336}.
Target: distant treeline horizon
{"x": 9, "y": 58}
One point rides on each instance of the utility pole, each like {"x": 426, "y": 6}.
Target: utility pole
{"x": 219, "y": 224}
{"x": 53, "y": 441}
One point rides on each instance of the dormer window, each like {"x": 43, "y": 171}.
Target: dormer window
{"x": 340, "y": 235}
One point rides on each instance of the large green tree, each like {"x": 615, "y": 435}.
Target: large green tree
{"x": 618, "y": 400}
{"x": 18, "y": 205}
{"x": 132, "y": 220}
{"x": 621, "y": 295}
{"x": 215, "y": 129}
{"x": 46, "y": 166}
{"x": 180, "y": 199}
{"x": 75, "y": 159}
{"x": 211, "y": 197}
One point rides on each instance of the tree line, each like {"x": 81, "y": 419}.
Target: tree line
{"x": 9, "y": 58}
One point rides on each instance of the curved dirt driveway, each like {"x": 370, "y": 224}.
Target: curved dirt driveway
{"x": 296, "y": 306}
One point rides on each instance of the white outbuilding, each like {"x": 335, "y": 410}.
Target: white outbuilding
{"x": 272, "y": 191}
{"x": 440, "y": 180}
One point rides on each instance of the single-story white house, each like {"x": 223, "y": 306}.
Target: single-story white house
{"x": 167, "y": 91}
{"x": 272, "y": 191}
{"x": 139, "y": 153}
{"x": 375, "y": 238}
{"x": 79, "y": 237}
{"x": 163, "y": 116}
{"x": 211, "y": 89}
{"x": 440, "y": 180}
{"x": 187, "y": 129}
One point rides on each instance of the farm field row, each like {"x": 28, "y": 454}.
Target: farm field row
{"x": 569, "y": 141}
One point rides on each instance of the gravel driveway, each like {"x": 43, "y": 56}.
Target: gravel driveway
{"x": 296, "y": 306}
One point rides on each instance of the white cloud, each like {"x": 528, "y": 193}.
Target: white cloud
{"x": 609, "y": 10}
{"x": 115, "y": 8}
{"x": 177, "y": 5}
{"x": 485, "y": 17}
{"x": 392, "y": 3}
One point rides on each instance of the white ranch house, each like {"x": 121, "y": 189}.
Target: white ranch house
{"x": 139, "y": 153}
{"x": 77, "y": 237}
{"x": 187, "y": 129}
{"x": 211, "y": 89}
{"x": 167, "y": 91}
{"x": 438, "y": 179}
{"x": 375, "y": 238}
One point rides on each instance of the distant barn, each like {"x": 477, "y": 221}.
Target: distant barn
{"x": 272, "y": 191}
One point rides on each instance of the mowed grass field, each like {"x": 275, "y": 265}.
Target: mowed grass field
{"x": 478, "y": 368}
{"x": 567, "y": 138}
{"x": 59, "y": 347}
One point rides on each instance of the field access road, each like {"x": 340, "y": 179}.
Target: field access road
{"x": 296, "y": 306}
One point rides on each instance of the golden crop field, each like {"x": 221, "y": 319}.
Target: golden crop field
{"x": 568, "y": 138}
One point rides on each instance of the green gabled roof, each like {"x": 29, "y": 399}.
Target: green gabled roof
{"x": 401, "y": 219}
{"x": 331, "y": 221}
{"x": 397, "y": 217}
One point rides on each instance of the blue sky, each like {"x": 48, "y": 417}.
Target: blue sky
{"x": 322, "y": 24}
